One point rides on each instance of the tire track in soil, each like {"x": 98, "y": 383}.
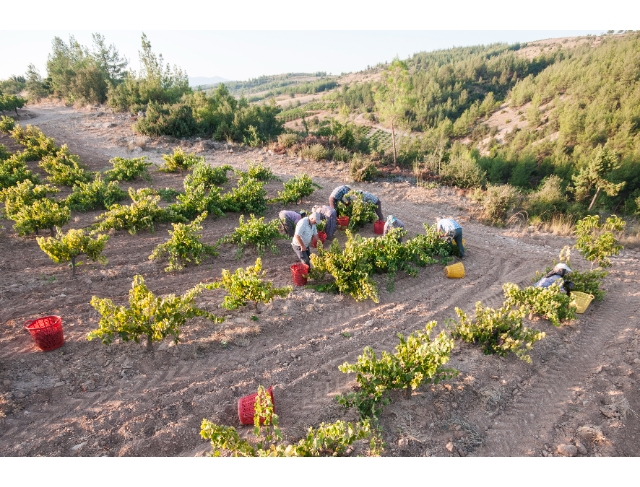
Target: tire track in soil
{"x": 538, "y": 409}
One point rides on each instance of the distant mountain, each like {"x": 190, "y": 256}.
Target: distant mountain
{"x": 203, "y": 80}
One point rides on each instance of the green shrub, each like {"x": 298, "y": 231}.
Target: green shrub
{"x": 498, "y": 201}
{"x": 463, "y": 171}
{"x": 548, "y": 200}
{"x": 340, "y": 154}
{"x": 297, "y": 188}
{"x": 95, "y": 195}
{"x": 362, "y": 169}
{"x": 246, "y": 285}
{"x": 499, "y": 331}
{"x": 315, "y": 152}
{"x": 417, "y": 360}
{"x": 128, "y": 169}
{"x": 249, "y": 196}
{"x": 148, "y": 315}
{"x": 184, "y": 245}
{"x": 142, "y": 214}
{"x": 68, "y": 246}
{"x": 255, "y": 232}
{"x": 179, "y": 161}
{"x": 165, "y": 119}
{"x": 287, "y": 140}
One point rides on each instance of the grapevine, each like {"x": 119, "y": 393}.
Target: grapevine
{"x": 549, "y": 302}
{"x": 43, "y": 213}
{"x": 142, "y": 214}
{"x": 246, "y": 285}
{"x": 325, "y": 440}
{"x": 95, "y": 195}
{"x": 179, "y": 161}
{"x": 14, "y": 170}
{"x": 249, "y": 196}
{"x": 184, "y": 246}
{"x": 595, "y": 241}
{"x": 22, "y": 194}
{"x": 255, "y": 232}
{"x": 128, "y": 169}
{"x": 417, "y": 360}
{"x": 66, "y": 247}
{"x": 258, "y": 172}
{"x": 148, "y": 316}
{"x": 297, "y": 188}
{"x": 359, "y": 211}
{"x": 210, "y": 177}
{"x": 499, "y": 331}
{"x": 64, "y": 168}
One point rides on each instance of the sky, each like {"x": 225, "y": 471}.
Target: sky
{"x": 238, "y": 41}
{"x": 240, "y": 55}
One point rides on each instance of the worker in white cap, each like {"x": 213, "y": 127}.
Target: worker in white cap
{"x": 305, "y": 231}
{"x": 557, "y": 274}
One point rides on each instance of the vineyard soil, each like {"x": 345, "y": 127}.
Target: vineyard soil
{"x": 88, "y": 399}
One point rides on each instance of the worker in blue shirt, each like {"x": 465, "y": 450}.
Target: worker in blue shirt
{"x": 449, "y": 228}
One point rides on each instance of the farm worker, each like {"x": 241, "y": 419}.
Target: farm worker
{"x": 449, "y": 228}
{"x": 289, "y": 219}
{"x": 327, "y": 213}
{"x": 393, "y": 222}
{"x": 558, "y": 273}
{"x": 371, "y": 198}
{"x": 305, "y": 231}
{"x": 338, "y": 196}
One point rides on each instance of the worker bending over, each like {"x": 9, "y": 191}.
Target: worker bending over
{"x": 449, "y": 228}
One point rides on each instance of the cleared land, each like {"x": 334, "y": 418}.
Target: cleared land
{"x": 86, "y": 399}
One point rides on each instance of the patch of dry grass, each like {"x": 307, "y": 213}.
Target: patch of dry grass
{"x": 559, "y": 225}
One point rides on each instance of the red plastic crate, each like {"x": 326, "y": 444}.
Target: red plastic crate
{"x": 246, "y": 407}
{"x": 46, "y": 332}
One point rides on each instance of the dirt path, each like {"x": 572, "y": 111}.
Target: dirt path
{"x": 90, "y": 400}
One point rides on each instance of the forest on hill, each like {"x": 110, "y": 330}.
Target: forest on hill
{"x": 571, "y": 144}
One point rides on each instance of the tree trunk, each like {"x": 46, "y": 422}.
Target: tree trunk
{"x": 149, "y": 344}
{"x": 73, "y": 267}
{"x": 593, "y": 201}
{"x": 407, "y": 392}
{"x": 393, "y": 141}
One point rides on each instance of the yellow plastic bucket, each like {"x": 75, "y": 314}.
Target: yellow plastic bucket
{"x": 581, "y": 301}
{"x": 454, "y": 271}
{"x": 464, "y": 243}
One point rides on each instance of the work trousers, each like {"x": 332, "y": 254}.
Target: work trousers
{"x": 302, "y": 255}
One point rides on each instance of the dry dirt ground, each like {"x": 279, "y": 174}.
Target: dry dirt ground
{"x": 88, "y": 399}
